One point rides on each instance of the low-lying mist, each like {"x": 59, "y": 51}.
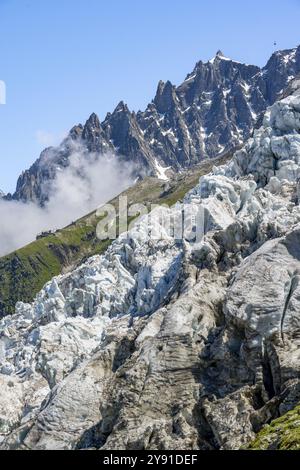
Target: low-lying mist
{"x": 78, "y": 189}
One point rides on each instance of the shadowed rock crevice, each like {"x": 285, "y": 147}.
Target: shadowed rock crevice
{"x": 293, "y": 284}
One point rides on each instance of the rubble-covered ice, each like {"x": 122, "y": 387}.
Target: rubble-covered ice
{"x": 155, "y": 304}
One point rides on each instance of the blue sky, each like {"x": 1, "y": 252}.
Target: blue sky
{"x": 63, "y": 59}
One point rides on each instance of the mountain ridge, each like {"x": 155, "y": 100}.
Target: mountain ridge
{"x": 211, "y": 112}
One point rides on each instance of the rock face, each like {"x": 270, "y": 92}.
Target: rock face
{"x": 211, "y": 112}
{"x": 169, "y": 342}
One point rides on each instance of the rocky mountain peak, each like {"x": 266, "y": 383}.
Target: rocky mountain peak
{"x": 116, "y": 125}
{"x": 165, "y": 97}
{"x": 121, "y": 108}
{"x": 93, "y": 134}
{"x": 93, "y": 122}
{"x": 220, "y": 54}
{"x": 279, "y": 70}
{"x": 219, "y": 57}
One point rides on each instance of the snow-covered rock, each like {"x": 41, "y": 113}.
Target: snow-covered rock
{"x": 274, "y": 149}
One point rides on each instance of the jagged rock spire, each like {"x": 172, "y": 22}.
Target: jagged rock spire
{"x": 219, "y": 53}
{"x": 165, "y": 96}
{"x": 121, "y": 108}
{"x": 93, "y": 121}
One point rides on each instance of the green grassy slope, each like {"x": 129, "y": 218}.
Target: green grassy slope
{"x": 24, "y": 272}
{"x": 282, "y": 434}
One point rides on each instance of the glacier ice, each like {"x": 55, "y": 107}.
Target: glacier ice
{"x": 147, "y": 287}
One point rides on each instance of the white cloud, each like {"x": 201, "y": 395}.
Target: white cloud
{"x": 76, "y": 191}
